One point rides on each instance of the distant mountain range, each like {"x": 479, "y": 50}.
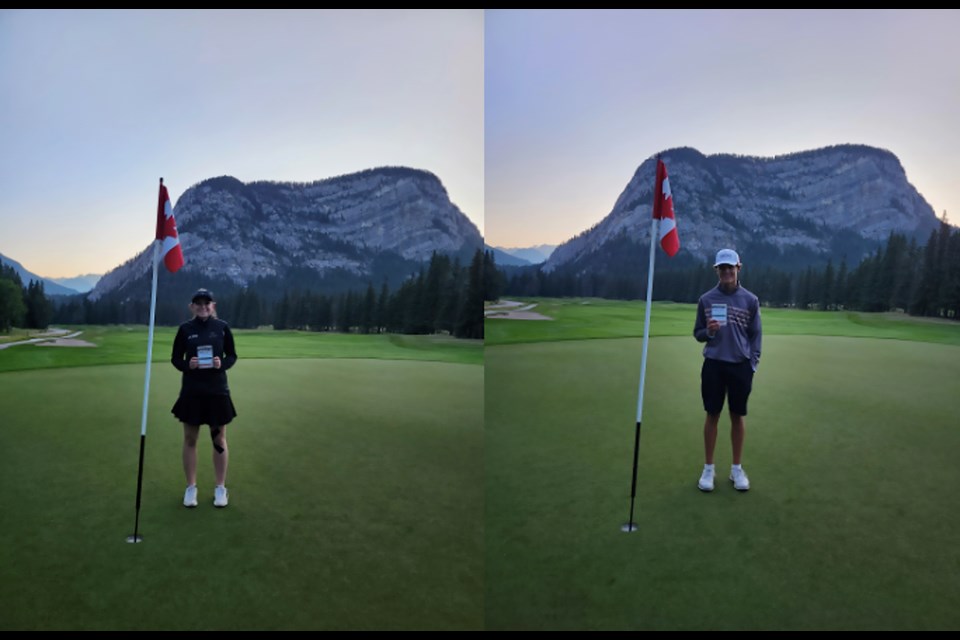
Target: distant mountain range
{"x": 82, "y": 283}
{"x": 59, "y": 287}
{"x": 502, "y": 258}
{"x": 330, "y": 235}
{"x": 521, "y": 256}
{"x": 789, "y": 211}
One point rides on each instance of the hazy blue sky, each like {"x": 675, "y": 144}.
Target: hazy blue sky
{"x": 577, "y": 100}
{"x": 96, "y": 106}
{"x": 534, "y": 120}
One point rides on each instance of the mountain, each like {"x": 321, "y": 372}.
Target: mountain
{"x": 792, "y": 210}
{"x": 80, "y": 284}
{"x": 331, "y": 234}
{"x": 50, "y": 287}
{"x": 531, "y": 255}
{"x": 504, "y": 259}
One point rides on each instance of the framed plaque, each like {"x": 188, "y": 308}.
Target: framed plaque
{"x": 719, "y": 313}
{"x": 205, "y": 357}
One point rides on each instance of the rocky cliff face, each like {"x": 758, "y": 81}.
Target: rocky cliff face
{"x": 241, "y": 232}
{"x": 800, "y": 201}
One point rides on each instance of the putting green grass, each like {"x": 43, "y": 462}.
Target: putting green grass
{"x": 356, "y": 498}
{"x": 851, "y": 445}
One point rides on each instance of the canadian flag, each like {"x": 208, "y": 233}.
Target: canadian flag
{"x": 663, "y": 211}
{"x": 167, "y": 233}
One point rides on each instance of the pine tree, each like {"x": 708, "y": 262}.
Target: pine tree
{"x": 470, "y": 322}
{"x": 39, "y": 310}
{"x": 12, "y": 309}
{"x": 828, "y": 297}
{"x": 840, "y": 287}
{"x": 383, "y": 305}
{"x": 951, "y": 300}
{"x": 368, "y": 310}
{"x": 926, "y": 301}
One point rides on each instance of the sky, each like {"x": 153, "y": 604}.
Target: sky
{"x": 576, "y": 100}
{"x": 96, "y": 106}
{"x": 535, "y": 121}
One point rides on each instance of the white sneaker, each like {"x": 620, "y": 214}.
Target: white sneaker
{"x": 190, "y": 496}
{"x": 706, "y": 480}
{"x": 220, "y": 497}
{"x": 739, "y": 479}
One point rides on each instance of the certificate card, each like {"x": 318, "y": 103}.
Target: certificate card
{"x": 205, "y": 357}
{"x": 719, "y": 313}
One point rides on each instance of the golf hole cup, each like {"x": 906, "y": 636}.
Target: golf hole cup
{"x": 719, "y": 313}
{"x": 205, "y": 357}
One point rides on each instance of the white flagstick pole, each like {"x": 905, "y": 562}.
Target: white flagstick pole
{"x": 146, "y": 389}
{"x": 654, "y": 232}
{"x": 153, "y": 312}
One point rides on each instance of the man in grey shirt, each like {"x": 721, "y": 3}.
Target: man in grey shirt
{"x": 728, "y": 321}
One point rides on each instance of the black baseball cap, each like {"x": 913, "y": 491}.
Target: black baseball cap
{"x": 202, "y": 294}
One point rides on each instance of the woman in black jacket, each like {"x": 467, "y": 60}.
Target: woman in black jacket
{"x": 203, "y": 350}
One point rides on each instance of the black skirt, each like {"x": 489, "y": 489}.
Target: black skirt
{"x": 215, "y": 411}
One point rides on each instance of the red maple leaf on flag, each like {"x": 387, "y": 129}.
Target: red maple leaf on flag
{"x": 663, "y": 211}
{"x": 167, "y": 233}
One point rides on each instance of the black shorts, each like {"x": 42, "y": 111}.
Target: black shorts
{"x": 720, "y": 379}
{"x": 215, "y": 411}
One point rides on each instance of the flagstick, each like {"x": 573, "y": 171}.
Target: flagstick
{"x": 146, "y": 391}
{"x": 654, "y": 227}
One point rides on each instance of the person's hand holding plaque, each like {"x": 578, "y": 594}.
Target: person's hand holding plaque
{"x": 718, "y": 312}
{"x": 205, "y": 357}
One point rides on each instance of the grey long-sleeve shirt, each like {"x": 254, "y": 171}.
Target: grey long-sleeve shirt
{"x": 740, "y": 338}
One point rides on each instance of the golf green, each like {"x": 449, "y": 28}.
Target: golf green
{"x": 356, "y": 500}
{"x": 850, "y": 448}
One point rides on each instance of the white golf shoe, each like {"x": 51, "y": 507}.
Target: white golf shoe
{"x": 190, "y": 496}
{"x": 706, "y": 480}
{"x": 739, "y": 479}
{"x": 220, "y": 496}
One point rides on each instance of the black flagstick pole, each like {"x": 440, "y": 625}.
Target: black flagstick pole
{"x": 136, "y": 523}
{"x": 136, "y": 537}
{"x": 630, "y": 524}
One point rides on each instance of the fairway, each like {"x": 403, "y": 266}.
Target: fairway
{"x": 850, "y": 448}
{"x": 356, "y": 498}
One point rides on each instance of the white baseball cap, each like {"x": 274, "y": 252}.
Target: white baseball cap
{"x": 727, "y": 256}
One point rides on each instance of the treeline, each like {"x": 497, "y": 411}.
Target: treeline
{"x": 899, "y": 275}
{"x": 27, "y": 307}
{"x": 442, "y": 297}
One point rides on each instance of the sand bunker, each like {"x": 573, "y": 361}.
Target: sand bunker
{"x": 47, "y": 339}
{"x": 512, "y": 310}
{"x": 65, "y": 342}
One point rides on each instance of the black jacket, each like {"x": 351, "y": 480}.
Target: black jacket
{"x": 192, "y": 334}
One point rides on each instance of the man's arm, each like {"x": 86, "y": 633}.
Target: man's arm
{"x": 700, "y": 326}
{"x": 755, "y": 333}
